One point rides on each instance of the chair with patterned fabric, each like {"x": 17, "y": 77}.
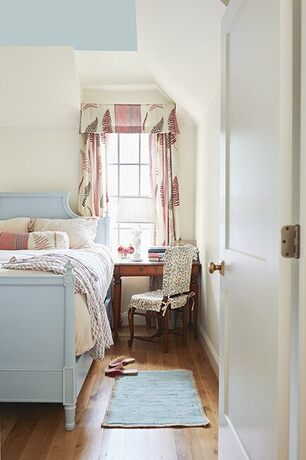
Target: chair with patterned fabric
{"x": 174, "y": 295}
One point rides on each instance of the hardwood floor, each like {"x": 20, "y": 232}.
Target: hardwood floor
{"x": 36, "y": 431}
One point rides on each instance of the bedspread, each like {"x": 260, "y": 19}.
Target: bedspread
{"x": 89, "y": 281}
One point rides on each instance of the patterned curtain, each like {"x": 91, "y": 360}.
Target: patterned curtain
{"x": 97, "y": 121}
{"x": 165, "y": 187}
{"x": 128, "y": 118}
{"x": 92, "y": 197}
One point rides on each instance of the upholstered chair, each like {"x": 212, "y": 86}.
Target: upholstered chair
{"x": 174, "y": 295}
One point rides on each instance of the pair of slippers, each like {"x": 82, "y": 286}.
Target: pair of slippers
{"x": 116, "y": 367}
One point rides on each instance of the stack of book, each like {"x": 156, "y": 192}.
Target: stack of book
{"x": 157, "y": 253}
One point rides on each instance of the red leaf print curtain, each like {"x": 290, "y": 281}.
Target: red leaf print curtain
{"x": 165, "y": 187}
{"x": 92, "y": 196}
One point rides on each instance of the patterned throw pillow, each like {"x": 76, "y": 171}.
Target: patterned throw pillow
{"x": 34, "y": 240}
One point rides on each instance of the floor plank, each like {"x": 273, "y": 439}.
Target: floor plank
{"x": 36, "y": 431}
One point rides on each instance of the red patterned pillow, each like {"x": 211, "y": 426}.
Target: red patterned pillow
{"x": 13, "y": 241}
{"x": 33, "y": 240}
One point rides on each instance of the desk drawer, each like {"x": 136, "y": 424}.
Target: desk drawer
{"x": 141, "y": 270}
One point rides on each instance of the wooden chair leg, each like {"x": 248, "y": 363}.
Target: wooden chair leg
{"x": 148, "y": 321}
{"x": 159, "y": 325}
{"x": 166, "y": 331}
{"x": 131, "y": 326}
{"x": 185, "y": 317}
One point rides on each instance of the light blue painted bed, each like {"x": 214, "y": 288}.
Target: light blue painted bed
{"x": 37, "y": 339}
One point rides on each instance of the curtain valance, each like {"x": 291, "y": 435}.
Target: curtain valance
{"x": 128, "y": 118}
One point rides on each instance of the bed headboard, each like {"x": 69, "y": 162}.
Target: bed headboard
{"x": 50, "y": 205}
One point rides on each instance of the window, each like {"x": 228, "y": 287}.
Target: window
{"x": 128, "y": 175}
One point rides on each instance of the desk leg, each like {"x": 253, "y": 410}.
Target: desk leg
{"x": 195, "y": 287}
{"x": 117, "y": 304}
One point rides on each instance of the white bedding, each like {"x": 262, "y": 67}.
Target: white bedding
{"x": 91, "y": 256}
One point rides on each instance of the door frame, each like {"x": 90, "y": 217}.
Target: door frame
{"x": 301, "y": 440}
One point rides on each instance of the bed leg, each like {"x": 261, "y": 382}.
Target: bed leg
{"x": 70, "y": 417}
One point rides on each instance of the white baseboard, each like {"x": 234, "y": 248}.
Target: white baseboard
{"x": 210, "y": 351}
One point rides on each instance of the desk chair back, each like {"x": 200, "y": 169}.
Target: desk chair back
{"x": 177, "y": 270}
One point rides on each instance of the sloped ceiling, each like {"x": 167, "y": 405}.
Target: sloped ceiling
{"x": 180, "y": 42}
{"x": 178, "y": 51}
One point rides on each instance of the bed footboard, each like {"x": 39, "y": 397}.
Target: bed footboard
{"x": 37, "y": 343}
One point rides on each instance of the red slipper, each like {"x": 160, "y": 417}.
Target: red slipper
{"x": 121, "y": 361}
{"x": 117, "y": 371}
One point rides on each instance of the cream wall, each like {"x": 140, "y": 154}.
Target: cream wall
{"x": 39, "y": 160}
{"x": 208, "y": 222}
{"x": 39, "y": 114}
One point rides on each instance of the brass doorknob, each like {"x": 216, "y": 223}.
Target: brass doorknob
{"x": 212, "y": 268}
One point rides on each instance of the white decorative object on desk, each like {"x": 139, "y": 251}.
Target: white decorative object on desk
{"x": 137, "y": 232}
{"x": 138, "y": 210}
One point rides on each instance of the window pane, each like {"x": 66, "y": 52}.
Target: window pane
{"x": 146, "y": 227}
{"x": 125, "y": 237}
{"x": 129, "y": 148}
{"x": 113, "y": 180}
{"x": 133, "y": 180}
{"x": 127, "y": 226}
{"x": 146, "y": 242}
{"x": 113, "y": 148}
{"x": 114, "y": 242}
{"x": 144, "y": 148}
{"x": 129, "y": 180}
{"x": 112, "y": 208}
{"x": 145, "y": 181}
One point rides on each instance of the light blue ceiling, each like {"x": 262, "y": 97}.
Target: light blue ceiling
{"x": 108, "y": 25}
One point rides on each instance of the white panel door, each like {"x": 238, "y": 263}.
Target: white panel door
{"x": 256, "y": 202}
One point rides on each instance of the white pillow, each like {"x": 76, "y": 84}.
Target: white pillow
{"x": 81, "y": 230}
{"x": 15, "y": 225}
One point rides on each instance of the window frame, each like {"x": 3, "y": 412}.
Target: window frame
{"x": 118, "y": 226}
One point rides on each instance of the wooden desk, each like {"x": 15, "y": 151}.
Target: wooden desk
{"x": 150, "y": 269}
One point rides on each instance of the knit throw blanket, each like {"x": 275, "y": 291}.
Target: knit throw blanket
{"x": 85, "y": 283}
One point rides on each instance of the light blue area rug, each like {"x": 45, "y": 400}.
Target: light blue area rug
{"x": 154, "y": 399}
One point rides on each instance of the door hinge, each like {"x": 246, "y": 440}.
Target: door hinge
{"x": 291, "y": 241}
